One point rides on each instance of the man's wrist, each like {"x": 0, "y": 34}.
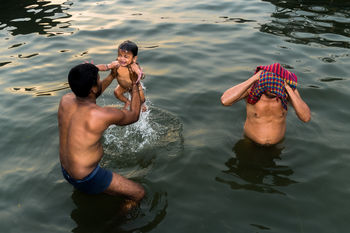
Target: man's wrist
{"x": 136, "y": 85}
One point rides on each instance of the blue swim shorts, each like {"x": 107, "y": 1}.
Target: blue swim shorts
{"x": 96, "y": 182}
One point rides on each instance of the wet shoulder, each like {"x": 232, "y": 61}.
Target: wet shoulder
{"x": 67, "y": 101}
{"x": 99, "y": 118}
{"x": 67, "y": 97}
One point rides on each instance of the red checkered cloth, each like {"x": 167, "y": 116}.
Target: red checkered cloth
{"x": 272, "y": 79}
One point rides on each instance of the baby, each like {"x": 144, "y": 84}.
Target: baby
{"x": 122, "y": 69}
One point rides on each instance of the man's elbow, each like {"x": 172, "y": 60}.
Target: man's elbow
{"x": 224, "y": 101}
{"x": 305, "y": 117}
{"x": 135, "y": 116}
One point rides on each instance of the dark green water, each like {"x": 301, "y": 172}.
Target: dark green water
{"x": 188, "y": 151}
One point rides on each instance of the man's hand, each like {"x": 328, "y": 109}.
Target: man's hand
{"x": 287, "y": 87}
{"x": 136, "y": 72}
{"x": 256, "y": 76}
{"x": 301, "y": 109}
{"x": 114, "y": 64}
{"x": 240, "y": 91}
{"x": 135, "y": 68}
{"x": 105, "y": 67}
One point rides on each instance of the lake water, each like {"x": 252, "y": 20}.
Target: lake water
{"x": 188, "y": 151}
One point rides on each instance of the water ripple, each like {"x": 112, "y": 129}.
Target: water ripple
{"x": 188, "y": 155}
{"x": 32, "y": 16}
{"x": 305, "y": 23}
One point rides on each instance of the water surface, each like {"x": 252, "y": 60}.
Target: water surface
{"x": 188, "y": 151}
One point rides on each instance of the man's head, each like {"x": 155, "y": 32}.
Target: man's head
{"x": 82, "y": 78}
{"x": 127, "y": 53}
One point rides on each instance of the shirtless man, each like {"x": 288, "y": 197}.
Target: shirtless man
{"x": 266, "y": 119}
{"x": 81, "y": 124}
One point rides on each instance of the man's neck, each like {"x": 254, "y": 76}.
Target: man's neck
{"x": 88, "y": 99}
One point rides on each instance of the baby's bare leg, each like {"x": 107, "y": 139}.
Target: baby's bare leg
{"x": 119, "y": 94}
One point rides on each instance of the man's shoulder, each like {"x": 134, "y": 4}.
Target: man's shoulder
{"x": 103, "y": 111}
{"x": 68, "y": 97}
{"x": 67, "y": 100}
{"x": 100, "y": 117}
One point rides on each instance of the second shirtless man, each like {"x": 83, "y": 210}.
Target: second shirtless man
{"x": 81, "y": 125}
{"x": 267, "y": 94}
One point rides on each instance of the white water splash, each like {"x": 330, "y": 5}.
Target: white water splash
{"x": 133, "y": 148}
{"x": 134, "y": 137}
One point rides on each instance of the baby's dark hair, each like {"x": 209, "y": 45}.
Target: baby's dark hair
{"x": 129, "y": 46}
{"x": 82, "y": 78}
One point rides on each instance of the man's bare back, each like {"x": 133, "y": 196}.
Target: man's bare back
{"x": 80, "y": 133}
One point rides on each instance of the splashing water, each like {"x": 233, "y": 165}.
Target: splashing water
{"x": 134, "y": 137}
{"x": 132, "y": 149}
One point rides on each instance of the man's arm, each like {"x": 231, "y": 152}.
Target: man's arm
{"x": 239, "y": 91}
{"x": 300, "y": 107}
{"x": 109, "y": 66}
{"x": 125, "y": 117}
{"x": 138, "y": 70}
{"x": 104, "y": 67}
{"x": 106, "y": 82}
{"x": 135, "y": 106}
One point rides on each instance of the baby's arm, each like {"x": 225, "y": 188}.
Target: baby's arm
{"x": 138, "y": 70}
{"x": 106, "y": 67}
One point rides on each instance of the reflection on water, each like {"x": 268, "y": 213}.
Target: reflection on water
{"x": 192, "y": 52}
{"x": 324, "y": 22}
{"x": 44, "y": 90}
{"x": 254, "y": 168}
{"x": 101, "y": 213}
{"x": 33, "y": 16}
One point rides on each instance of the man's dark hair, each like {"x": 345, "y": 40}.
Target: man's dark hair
{"x": 82, "y": 78}
{"x": 129, "y": 46}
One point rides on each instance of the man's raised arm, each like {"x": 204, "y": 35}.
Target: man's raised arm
{"x": 239, "y": 91}
{"x": 135, "y": 106}
{"x": 130, "y": 116}
{"x": 106, "y": 82}
{"x": 300, "y": 107}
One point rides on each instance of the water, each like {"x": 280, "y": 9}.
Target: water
{"x": 188, "y": 151}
